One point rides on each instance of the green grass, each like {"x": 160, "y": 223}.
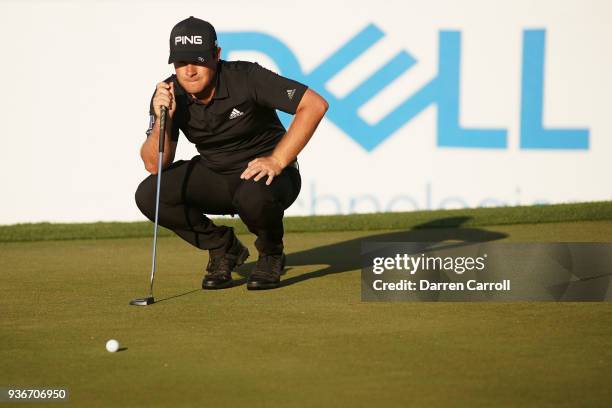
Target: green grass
{"x": 356, "y": 222}
{"x": 308, "y": 344}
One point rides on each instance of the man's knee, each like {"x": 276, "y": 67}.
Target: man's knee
{"x": 145, "y": 197}
{"x": 255, "y": 199}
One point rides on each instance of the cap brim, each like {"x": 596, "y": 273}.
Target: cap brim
{"x": 200, "y": 57}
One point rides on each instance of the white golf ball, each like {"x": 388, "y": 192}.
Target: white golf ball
{"x": 112, "y": 345}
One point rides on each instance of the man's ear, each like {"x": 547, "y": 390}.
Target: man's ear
{"x": 218, "y": 53}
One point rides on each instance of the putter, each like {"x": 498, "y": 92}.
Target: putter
{"x": 162, "y": 133}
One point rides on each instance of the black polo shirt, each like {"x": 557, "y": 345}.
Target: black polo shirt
{"x": 240, "y": 123}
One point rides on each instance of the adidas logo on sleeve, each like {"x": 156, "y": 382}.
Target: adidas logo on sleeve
{"x": 290, "y": 93}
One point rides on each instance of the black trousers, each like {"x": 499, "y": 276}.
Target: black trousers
{"x": 189, "y": 190}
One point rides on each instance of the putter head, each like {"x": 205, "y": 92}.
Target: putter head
{"x": 143, "y": 301}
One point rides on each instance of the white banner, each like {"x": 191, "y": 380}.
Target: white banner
{"x": 438, "y": 104}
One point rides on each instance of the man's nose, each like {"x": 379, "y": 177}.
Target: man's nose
{"x": 191, "y": 69}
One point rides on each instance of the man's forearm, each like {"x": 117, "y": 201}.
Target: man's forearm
{"x": 149, "y": 152}
{"x": 300, "y": 131}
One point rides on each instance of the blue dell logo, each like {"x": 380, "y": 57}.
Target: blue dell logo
{"x": 441, "y": 91}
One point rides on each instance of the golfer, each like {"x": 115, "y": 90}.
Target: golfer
{"x": 247, "y": 161}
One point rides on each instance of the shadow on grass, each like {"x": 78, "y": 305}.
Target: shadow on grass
{"x": 346, "y": 256}
{"x": 175, "y": 296}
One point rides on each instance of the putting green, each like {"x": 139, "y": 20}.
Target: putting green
{"x": 309, "y": 343}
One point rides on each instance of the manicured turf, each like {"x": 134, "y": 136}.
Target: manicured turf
{"x": 595, "y": 211}
{"x": 310, "y": 343}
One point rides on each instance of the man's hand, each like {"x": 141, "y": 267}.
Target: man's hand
{"x": 263, "y": 166}
{"x": 164, "y": 96}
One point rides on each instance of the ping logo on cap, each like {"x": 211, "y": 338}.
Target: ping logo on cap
{"x": 192, "y": 39}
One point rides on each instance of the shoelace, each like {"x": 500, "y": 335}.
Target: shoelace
{"x": 218, "y": 265}
{"x": 269, "y": 265}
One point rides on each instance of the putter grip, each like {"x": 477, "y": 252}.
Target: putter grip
{"x": 162, "y": 127}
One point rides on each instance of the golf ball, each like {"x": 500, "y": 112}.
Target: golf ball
{"x": 112, "y": 345}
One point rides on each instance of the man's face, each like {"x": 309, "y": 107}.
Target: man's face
{"x": 194, "y": 77}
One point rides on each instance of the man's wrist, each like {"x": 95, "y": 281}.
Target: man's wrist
{"x": 280, "y": 161}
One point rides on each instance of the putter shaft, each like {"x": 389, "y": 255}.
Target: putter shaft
{"x": 162, "y": 134}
